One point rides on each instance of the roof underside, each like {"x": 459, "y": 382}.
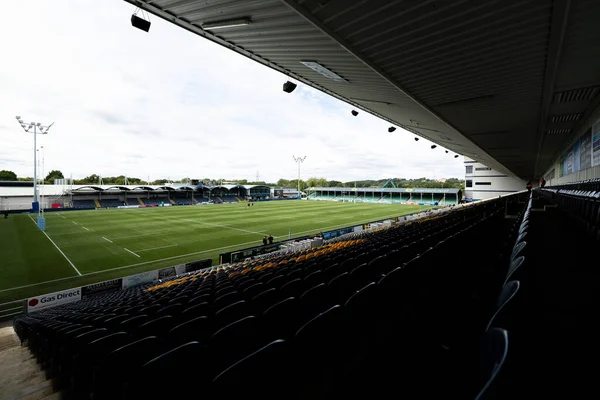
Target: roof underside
{"x": 503, "y": 83}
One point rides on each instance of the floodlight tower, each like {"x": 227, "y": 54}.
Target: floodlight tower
{"x": 299, "y": 160}
{"x": 38, "y": 129}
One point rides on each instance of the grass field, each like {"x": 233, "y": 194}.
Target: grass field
{"x": 82, "y": 247}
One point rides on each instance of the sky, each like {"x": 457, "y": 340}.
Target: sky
{"x": 169, "y": 104}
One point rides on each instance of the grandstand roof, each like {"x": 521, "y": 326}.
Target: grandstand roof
{"x": 385, "y": 190}
{"x": 505, "y": 83}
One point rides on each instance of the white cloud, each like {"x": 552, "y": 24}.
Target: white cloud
{"x": 169, "y": 104}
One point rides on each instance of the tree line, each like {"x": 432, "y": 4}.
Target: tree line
{"x": 94, "y": 179}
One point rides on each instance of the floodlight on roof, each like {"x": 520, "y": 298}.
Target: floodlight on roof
{"x": 391, "y": 129}
{"x": 416, "y": 139}
{"x": 230, "y": 23}
{"x": 433, "y": 146}
{"x": 354, "y": 112}
{"x": 456, "y": 156}
{"x": 327, "y": 73}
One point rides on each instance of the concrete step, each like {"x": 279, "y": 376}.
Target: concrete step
{"x": 20, "y": 376}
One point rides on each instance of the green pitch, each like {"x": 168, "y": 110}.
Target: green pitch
{"x": 83, "y": 247}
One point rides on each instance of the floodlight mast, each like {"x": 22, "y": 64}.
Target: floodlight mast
{"x": 299, "y": 160}
{"x": 38, "y": 129}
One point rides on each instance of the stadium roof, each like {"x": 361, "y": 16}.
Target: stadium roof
{"x": 385, "y": 190}
{"x": 57, "y": 190}
{"x": 505, "y": 83}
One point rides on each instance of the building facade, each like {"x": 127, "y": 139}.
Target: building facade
{"x": 483, "y": 182}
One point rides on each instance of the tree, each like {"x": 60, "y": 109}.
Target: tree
{"x": 54, "y": 174}
{"x": 7, "y": 175}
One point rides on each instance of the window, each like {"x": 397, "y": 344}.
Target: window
{"x": 483, "y": 169}
{"x": 469, "y": 183}
{"x": 483, "y": 183}
{"x": 469, "y": 169}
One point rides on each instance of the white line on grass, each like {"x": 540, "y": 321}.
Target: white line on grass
{"x": 85, "y": 228}
{"x": 75, "y": 222}
{"x": 108, "y": 240}
{"x": 223, "y": 226}
{"x": 57, "y": 248}
{"x": 137, "y": 255}
{"x": 156, "y": 248}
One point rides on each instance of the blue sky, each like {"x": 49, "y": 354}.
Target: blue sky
{"x": 169, "y": 104}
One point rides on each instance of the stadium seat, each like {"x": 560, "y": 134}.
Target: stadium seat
{"x": 157, "y": 327}
{"x": 117, "y": 367}
{"x": 246, "y": 377}
{"x": 230, "y": 313}
{"x": 236, "y": 340}
{"x": 282, "y": 320}
{"x": 198, "y": 329}
{"x": 264, "y": 300}
{"x": 180, "y": 373}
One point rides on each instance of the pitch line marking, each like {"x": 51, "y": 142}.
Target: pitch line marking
{"x": 75, "y": 222}
{"x": 85, "y": 228}
{"x": 58, "y": 248}
{"x": 223, "y": 226}
{"x": 156, "y": 248}
{"x": 108, "y": 240}
{"x": 137, "y": 255}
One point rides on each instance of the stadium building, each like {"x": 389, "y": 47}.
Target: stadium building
{"x": 483, "y": 182}
{"x": 415, "y": 196}
{"x": 16, "y": 196}
{"x": 493, "y": 299}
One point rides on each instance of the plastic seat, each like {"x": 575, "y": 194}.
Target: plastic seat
{"x": 91, "y": 355}
{"x": 157, "y": 327}
{"x": 230, "y": 313}
{"x": 264, "y": 300}
{"x": 196, "y": 310}
{"x": 236, "y": 340}
{"x": 246, "y": 377}
{"x": 282, "y": 319}
{"x": 130, "y": 325}
{"x": 120, "y": 365}
{"x": 172, "y": 309}
{"x": 314, "y": 301}
{"x": 185, "y": 370}
{"x": 321, "y": 348}
{"x": 508, "y": 292}
{"x": 292, "y": 288}
{"x": 198, "y": 329}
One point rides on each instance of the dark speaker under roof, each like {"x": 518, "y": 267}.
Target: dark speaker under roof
{"x": 140, "y": 23}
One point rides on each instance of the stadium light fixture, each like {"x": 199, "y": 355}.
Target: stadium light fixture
{"x": 289, "y": 87}
{"x": 38, "y": 129}
{"x": 391, "y": 129}
{"x": 139, "y": 22}
{"x": 456, "y": 156}
{"x": 327, "y": 73}
{"x": 433, "y": 146}
{"x": 299, "y": 160}
{"x": 416, "y": 139}
{"x": 446, "y": 151}
{"x": 354, "y": 112}
{"x": 230, "y": 23}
